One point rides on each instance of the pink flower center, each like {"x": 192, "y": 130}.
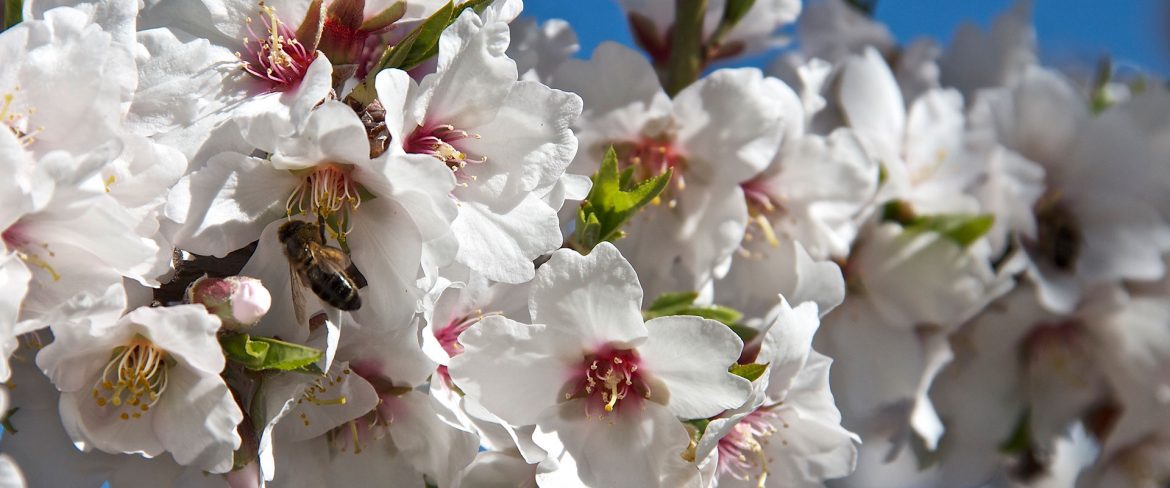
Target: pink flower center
{"x": 741, "y": 451}
{"x": 371, "y": 426}
{"x": 19, "y": 243}
{"x": 277, "y": 56}
{"x": 1058, "y": 349}
{"x": 444, "y": 143}
{"x": 607, "y": 378}
{"x": 448, "y": 337}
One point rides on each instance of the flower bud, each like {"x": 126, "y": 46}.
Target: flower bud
{"x": 239, "y": 301}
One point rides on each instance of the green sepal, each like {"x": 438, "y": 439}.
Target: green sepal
{"x": 383, "y": 19}
{"x": 613, "y": 200}
{"x": 750, "y": 372}
{"x": 1021, "y": 438}
{"x": 266, "y": 353}
{"x": 899, "y": 211}
{"x": 6, "y": 423}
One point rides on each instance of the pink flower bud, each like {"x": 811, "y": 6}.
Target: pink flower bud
{"x": 239, "y": 301}
{"x": 250, "y": 300}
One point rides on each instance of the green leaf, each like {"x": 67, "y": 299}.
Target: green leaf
{"x": 411, "y": 51}
{"x": 727, "y": 316}
{"x": 610, "y": 203}
{"x": 419, "y": 45}
{"x": 265, "y": 353}
{"x": 961, "y": 229}
{"x": 12, "y": 14}
{"x": 750, "y": 372}
{"x": 670, "y": 304}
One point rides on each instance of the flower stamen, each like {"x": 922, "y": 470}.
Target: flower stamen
{"x": 17, "y": 122}
{"x": 441, "y": 142}
{"x": 741, "y": 451}
{"x": 608, "y": 377}
{"x": 280, "y": 58}
{"x": 326, "y": 190}
{"x": 134, "y": 379}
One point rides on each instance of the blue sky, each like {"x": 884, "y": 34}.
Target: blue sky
{"x": 1070, "y": 31}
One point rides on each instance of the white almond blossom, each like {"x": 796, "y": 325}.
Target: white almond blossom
{"x": 789, "y": 433}
{"x": 601, "y": 385}
{"x": 508, "y": 142}
{"x": 539, "y": 49}
{"x": 687, "y": 238}
{"x": 365, "y": 420}
{"x": 147, "y": 384}
{"x": 1095, "y": 223}
{"x": 976, "y": 244}
{"x": 247, "y": 65}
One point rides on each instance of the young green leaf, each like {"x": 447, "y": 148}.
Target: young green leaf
{"x": 670, "y": 304}
{"x": 265, "y": 353}
{"x": 961, "y": 229}
{"x": 750, "y": 372}
{"x": 611, "y": 204}
{"x": 719, "y": 313}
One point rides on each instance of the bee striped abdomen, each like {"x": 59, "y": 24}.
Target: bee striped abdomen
{"x": 336, "y": 289}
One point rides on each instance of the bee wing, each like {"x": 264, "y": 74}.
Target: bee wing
{"x": 332, "y": 259}
{"x": 297, "y": 285}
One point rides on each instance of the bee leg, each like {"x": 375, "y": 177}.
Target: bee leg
{"x": 321, "y": 226}
{"x": 356, "y": 275}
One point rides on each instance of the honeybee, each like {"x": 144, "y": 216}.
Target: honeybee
{"x": 326, "y": 269}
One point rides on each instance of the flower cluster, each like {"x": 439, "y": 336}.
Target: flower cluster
{"x": 420, "y": 243}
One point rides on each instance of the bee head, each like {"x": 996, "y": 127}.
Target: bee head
{"x": 298, "y": 230}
